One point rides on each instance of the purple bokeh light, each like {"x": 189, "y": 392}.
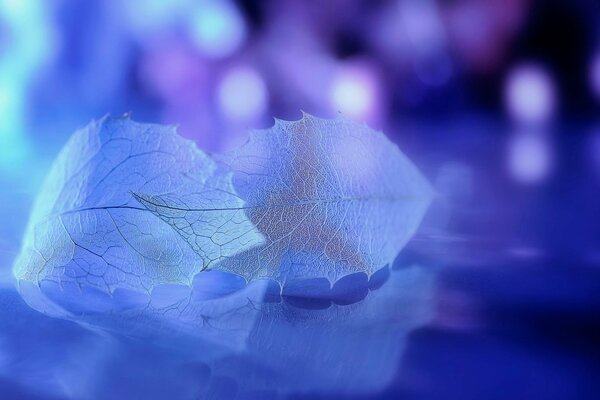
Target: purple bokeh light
{"x": 530, "y": 157}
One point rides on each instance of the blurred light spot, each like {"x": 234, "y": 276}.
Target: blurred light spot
{"x": 530, "y": 157}
{"x": 217, "y": 28}
{"x": 28, "y": 40}
{"x": 354, "y": 92}
{"x": 13, "y": 8}
{"x": 423, "y": 25}
{"x": 481, "y": 32}
{"x": 595, "y": 75}
{"x": 242, "y": 94}
{"x": 530, "y": 94}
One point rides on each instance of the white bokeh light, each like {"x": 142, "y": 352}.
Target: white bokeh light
{"x": 530, "y": 94}
{"x": 354, "y": 92}
{"x": 242, "y": 94}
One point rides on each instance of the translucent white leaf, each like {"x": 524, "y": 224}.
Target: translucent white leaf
{"x": 330, "y": 197}
{"x": 88, "y": 228}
